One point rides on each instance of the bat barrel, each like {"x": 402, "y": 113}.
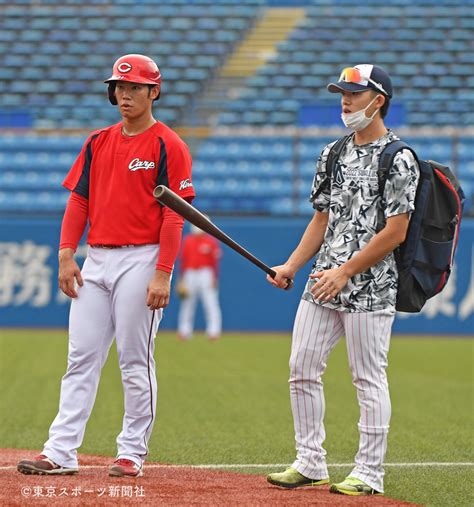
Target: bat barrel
{"x": 159, "y": 191}
{"x": 168, "y": 198}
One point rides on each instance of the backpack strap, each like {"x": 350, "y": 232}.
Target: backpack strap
{"x": 386, "y": 160}
{"x": 334, "y": 153}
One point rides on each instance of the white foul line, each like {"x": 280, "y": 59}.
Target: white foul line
{"x": 280, "y": 465}
{"x": 334, "y": 465}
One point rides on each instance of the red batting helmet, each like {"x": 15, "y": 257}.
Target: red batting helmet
{"x": 134, "y": 69}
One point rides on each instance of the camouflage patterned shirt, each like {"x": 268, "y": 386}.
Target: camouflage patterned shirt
{"x": 356, "y": 213}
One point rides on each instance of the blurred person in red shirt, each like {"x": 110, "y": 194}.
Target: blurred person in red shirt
{"x": 199, "y": 275}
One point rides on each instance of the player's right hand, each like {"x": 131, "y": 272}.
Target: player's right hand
{"x": 283, "y": 273}
{"x": 69, "y": 273}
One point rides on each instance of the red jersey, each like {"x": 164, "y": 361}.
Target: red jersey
{"x": 200, "y": 251}
{"x": 117, "y": 174}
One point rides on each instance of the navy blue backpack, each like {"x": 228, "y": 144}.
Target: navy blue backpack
{"x": 425, "y": 258}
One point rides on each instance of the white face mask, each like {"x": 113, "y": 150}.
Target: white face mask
{"x": 358, "y": 121}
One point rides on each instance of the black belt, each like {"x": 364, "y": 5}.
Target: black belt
{"x": 113, "y": 246}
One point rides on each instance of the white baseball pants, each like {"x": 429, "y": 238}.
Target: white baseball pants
{"x": 200, "y": 285}
{"x": 316, "y": 331}
{"x": 112, "y": 302}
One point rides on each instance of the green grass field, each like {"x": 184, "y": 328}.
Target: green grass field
{"x": 228, "y": 403}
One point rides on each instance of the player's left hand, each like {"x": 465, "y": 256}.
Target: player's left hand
{"x": 158, "y": 291}
{"x": 330, "y": 283}
{"x": 182, "y": 290}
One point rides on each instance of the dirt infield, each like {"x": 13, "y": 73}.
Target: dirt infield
{"x": 161, "y": 485}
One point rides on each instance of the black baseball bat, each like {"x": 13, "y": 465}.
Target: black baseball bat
{"x": 168, "y": 198}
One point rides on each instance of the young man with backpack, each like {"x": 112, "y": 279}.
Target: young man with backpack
{"x": 352, "y": 289}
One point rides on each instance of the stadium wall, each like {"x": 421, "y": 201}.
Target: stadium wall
{"x": 29, "y": 296}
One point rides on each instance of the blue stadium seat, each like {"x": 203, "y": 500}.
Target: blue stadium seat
{"x": 228, "y": 118}
{"x": 208, "y": 148}
{"x": 304, "y": 207}
{"x": 12, "y": 23}
{"x": 254, "y": 118}
{"x": 467, "y": 185}
{"x": 37, "y": 24}
{"x": 13, "y": 100}
{"x": 452, "y": 81}
{"x": 309, "y": 149}
{"x": 186, "y": 87}
{"x": 36, "y": 202}
{"x": 20, "y": 87}
{"x": 465, "y": 149}
{"x": 308, "y": 167}
{"x": 195, "y": 73}
{"x": 151, "y": 23}
{"x": 31, "y": 180}
{"x": 281, "y": 206}
{"x": 282, "y": 118}
{"x": 69, "y": 23}
{"x": 279, "y": 167}
{"x": 466, "y": 170}
{"x": 235, "y": 23}
{"x": 446, "y": 118}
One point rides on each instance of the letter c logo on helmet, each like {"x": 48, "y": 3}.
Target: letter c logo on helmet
{"x": 124, "y": 67}
{"x": 134, "y": 68}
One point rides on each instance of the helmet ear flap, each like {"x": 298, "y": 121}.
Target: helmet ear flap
{"x": 111, "y": 91}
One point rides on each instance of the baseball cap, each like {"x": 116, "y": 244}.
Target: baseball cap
{"x": 363, "y": 77}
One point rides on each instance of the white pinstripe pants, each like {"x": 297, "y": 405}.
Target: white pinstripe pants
{"x": 316, "y": 331}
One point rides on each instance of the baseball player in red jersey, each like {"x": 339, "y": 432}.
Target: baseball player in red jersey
{"x": 125, "y": 281}
{"x": 199, "y": 271}
{"x": 353, "y": 285}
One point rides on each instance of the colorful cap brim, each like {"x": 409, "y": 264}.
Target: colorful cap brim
{"x": 346, "y": 87}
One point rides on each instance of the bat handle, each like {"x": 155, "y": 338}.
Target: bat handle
{"x": 289, "y": 281}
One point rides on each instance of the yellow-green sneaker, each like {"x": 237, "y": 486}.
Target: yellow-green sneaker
{"x": 291, "y": 478}
{"x": 354, "y": 487}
